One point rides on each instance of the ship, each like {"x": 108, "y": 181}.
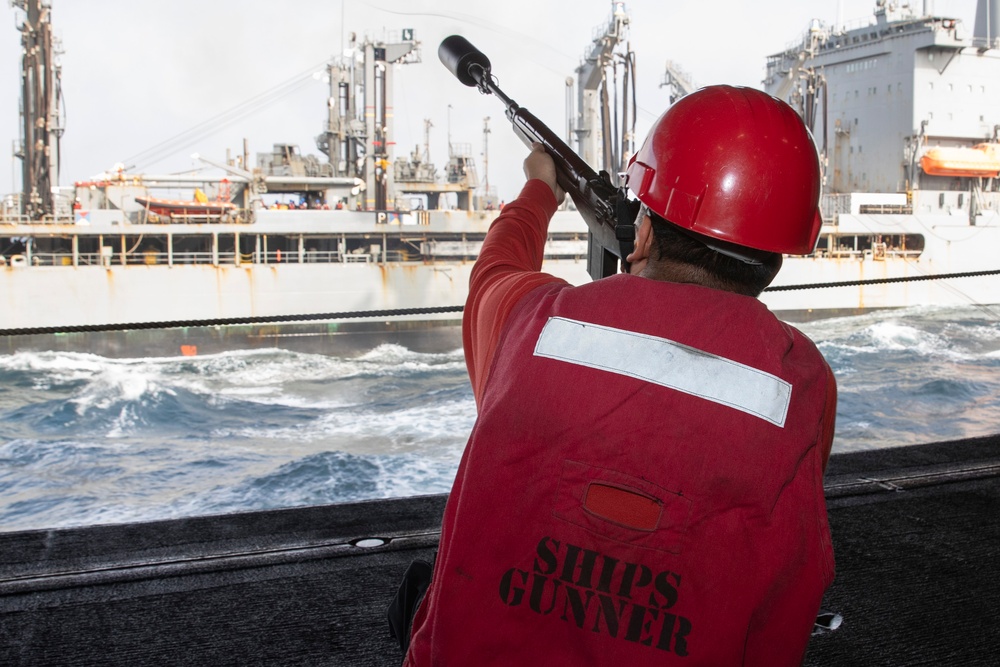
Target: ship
{"x": 902, "y": 110}
{"x": 914, "y": 527}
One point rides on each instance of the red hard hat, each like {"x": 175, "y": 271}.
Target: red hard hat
{"x": 733, "y": 164}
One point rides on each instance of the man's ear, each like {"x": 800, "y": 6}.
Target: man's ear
{"x": 643, "y": 242}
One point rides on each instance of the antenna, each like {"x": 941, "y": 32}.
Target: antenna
{"x": 486, "y": 156}
{"x": 427, "y": 140}
{"x": 449, "y": 131}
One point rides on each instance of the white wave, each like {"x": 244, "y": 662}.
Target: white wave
{"x": 829, "y": 328}
{"x": 895, "y": 336}
{"x": 834, "y": 328}
{"x": 104, "y": 382}
{"x": 124, "y": 424}
{"x": 391, "y": 354}
{"x": 438, "y": 426}
{"x": 263, "y": 376}
{"x": 269, "y": 372}
{"x": 256, "y": 368}
{"x": 420, "y": 476}
{"x": 114, "y": 384}
{"x": 53, "y": 369}
{"x": 391, "y": 359}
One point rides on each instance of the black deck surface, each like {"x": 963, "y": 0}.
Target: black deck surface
{"x": 915, "y": 532}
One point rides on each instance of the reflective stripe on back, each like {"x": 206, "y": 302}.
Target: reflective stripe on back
{"x": 667, "y": 363}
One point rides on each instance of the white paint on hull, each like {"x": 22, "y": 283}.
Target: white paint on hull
{"x": 64, "y": 296}
{"x": 46, "y": 296}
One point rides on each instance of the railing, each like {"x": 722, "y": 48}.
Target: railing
{"x": 876, "y": 253}
{"x": 884, "y": 209}
{"x": 356, "y": 258}
{"x": 321, "y": 256}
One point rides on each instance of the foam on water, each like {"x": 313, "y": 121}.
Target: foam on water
{"x": 98, "y": 440}
{"x": 93, "y": 440}
{"x": 912, "y": 376}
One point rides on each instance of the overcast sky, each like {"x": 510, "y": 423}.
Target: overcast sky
{"x": 138, "y": 73}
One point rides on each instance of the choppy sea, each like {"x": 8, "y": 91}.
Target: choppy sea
{"x": 87, "y": 439}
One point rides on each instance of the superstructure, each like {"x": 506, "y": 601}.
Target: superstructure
{"x": 904, "y": 110}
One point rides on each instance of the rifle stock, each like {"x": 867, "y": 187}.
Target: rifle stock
{"x": 606, "y": 209}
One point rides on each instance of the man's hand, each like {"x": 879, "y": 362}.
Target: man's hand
{"x": 539, "y": 165}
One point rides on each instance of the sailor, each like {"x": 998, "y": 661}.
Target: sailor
{"x": 644, "y": 482}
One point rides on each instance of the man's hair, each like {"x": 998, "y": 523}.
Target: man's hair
{"x": 728, "y": 273}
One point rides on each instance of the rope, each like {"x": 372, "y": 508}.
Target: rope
{"x": 882, "y": 281}
{"x": 267, "y": 319}
{"x": 264, "y": 319}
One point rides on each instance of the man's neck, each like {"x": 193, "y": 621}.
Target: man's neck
{"x": 676, "y": 272}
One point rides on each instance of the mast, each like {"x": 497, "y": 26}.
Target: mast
{"x": 41, "y": 94}
{"x": 593, "y": 127}
{"x": 358, "y": 135}
{"x": 486, "y": 158}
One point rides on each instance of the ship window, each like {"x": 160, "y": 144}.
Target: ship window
{"x": 859, "y": 245}
{"x": 226, "y": 249}
{"x": 192, "y": 249}
{"x": 961, "y": 199}
{"x": 941, "y": 200}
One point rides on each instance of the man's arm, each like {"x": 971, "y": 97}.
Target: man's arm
{"x": 509, "y": 265}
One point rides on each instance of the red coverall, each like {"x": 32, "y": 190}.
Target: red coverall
{"x": 644, "y": 481}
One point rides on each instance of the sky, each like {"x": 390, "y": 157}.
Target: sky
{"x": 150, "y": 83}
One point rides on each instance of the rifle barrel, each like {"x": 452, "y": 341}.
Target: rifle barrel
{"x": 604, "y": 208}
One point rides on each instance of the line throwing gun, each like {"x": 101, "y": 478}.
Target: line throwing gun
{"x": 606, "y": 209}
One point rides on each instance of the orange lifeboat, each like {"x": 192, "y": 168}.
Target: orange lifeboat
{"x": 175, "y": 207}
{"x": 199, "y": 207}
{"x": 981, "y": 160}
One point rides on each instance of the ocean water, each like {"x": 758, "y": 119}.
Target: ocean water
{"x": 87, "y": 439}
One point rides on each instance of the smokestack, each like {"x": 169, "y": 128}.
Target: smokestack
{"x": 987, "y": 23}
